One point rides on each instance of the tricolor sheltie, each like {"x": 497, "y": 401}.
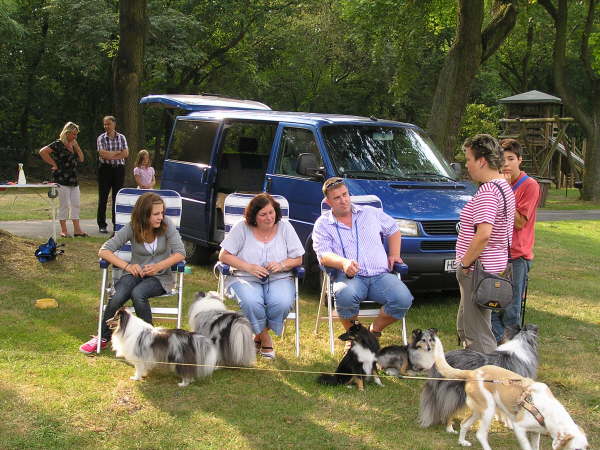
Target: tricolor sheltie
{"x": 359, "y": 360}
{"x": 229, "y": 330}
{"x": 145, "y": 347}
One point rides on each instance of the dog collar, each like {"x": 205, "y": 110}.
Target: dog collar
{"x": 525, "y": 402}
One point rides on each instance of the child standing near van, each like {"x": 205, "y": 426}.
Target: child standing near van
{"x": 143, "y": 171}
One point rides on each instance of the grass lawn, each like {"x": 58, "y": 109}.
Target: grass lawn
{"x": 52, "y": 396}
{"x": 567, "y": 199}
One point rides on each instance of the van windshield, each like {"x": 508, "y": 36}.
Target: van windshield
{"x": 395, "y": 153}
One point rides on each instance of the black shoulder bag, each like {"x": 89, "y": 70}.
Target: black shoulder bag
{"x": 494, "y": 290}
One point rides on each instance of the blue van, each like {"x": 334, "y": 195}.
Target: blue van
{"x": 224, "y": 145}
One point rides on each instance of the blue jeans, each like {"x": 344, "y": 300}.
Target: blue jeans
{"x": 386, "y": 289}
{"x": 139, "y": 290}
{"x": 266, "y": 305}
{"x": 512, "y": 315}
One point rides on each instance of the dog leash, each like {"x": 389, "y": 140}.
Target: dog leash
{"x": 316, "y": 372}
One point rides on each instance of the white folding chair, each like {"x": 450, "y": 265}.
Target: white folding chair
{"x": 233, "y": 212}
{"x": 367, "y": 308}
{"x": 124, "y": 204}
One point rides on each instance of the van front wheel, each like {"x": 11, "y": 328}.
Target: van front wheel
{"x": 197, "y": 253}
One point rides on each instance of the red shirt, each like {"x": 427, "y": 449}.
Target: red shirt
{"x": 527, "y": 195}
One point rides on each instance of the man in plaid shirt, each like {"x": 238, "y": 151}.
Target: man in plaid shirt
{"x": 112, "y": 152}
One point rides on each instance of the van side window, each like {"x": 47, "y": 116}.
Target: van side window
{"x": 244, "y": 155}
{"x": 294, "y": 142}
{"x": 193, "y": 141}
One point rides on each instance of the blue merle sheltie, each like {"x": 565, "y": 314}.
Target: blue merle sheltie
{"x": 190, "y": 355}
{"x": 229, "y": 330}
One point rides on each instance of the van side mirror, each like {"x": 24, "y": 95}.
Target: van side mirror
{"x": 307, "y": 165}
{"x": 457, "y": 167}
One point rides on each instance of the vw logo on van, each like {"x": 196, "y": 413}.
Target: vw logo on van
{"x": 457, "y": 227}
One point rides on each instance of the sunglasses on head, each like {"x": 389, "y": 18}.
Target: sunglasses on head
{"x": 334, "y": 183}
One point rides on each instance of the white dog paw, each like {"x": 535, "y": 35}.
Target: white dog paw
{"x": 450, "y": 429}
{"x": 183, "y": 383}
{"x": 135, "y": 378}
{"x": 464, "y": 443}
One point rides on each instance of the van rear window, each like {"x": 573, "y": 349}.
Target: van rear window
{"x": 193, "y": 141}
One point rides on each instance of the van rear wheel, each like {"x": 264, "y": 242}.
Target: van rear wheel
{"x": 197, "y": 253}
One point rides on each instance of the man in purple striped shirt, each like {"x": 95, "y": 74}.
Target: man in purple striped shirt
{"x": 348, "y": 238}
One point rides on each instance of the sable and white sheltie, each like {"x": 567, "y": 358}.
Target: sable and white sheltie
{"x": 359, "y": 360}
{"x": 442, "y": 400}
{"x": 229, "y": 330}
{"x": 145, "y": 347}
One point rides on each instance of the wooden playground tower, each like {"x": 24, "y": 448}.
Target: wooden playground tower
{"x": 534, "y": 119}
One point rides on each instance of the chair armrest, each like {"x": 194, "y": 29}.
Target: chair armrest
{"x": 103, "y": 263}
{"x": 179, "y": 267}
{"x": 328, "y": 270}
{"x": 224, "y": 269}
{"x": 299, "y": 272}
{"x": 400, "y": 268}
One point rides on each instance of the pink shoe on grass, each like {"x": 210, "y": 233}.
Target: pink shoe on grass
{"x": 91, "y": 345}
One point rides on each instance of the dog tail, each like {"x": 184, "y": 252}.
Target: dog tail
{"x": 330, "y": 380}
{"x": 206, "y": 355}
{"x": 442, "y": 365}
{"x": 240, "y": 345}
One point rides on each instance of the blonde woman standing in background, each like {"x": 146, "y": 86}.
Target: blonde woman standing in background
{"x": 64, "y": 155}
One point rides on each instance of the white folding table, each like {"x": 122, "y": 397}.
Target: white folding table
{"x": 37, "y": 188}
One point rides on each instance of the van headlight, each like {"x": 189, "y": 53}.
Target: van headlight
{"x": 408, "y": 227}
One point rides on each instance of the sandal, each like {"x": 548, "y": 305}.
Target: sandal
{"x": 269, "y": 354}
{"x": 84, "y": 234}
{"x": 257, "y": 345}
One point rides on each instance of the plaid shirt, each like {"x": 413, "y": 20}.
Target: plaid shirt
{"x": 115, "y": 144}
{"x": 369, "y": 224}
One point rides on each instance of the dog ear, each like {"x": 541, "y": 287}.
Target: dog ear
{"x": 433, "y": 331}
{"x": 417, "y": 332}
{"x": 561, "y": 440}
{"x": 200, "y": 294}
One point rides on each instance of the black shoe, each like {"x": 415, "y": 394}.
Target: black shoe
{"x": 103, "y": 230}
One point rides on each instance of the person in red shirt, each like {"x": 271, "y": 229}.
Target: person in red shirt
{"x": 527, "y": 193}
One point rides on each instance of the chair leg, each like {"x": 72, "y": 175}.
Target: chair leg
{"x": 179, "y": 299}
{"x": 330, "y": 315}
{"x": 297, "y": 321}
{"x": 404, "y": 340}
{"x": 321, "y": 301}
{"x": 101, "y": 308}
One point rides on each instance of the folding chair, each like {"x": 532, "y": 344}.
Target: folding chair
{"x": 124, "y": 204}
{"x": 233, "y": 211}
{"x": 367, "y": 308}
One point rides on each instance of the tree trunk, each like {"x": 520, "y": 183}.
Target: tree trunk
{"x": 470, "y": 49}
{"x": 128, "y": 73}
{"x": 587, "y": 114}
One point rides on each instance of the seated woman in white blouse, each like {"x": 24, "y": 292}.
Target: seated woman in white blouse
{"x": 263, "y": 249}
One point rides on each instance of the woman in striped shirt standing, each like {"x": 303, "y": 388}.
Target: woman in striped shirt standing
{"x": 486, "y": 224}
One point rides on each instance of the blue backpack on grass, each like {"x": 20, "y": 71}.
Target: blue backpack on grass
{"x": 48, "y": 251}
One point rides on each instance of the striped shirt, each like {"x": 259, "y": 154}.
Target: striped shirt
{"x": 361, "y": 243}
{"x": 487, "y": 206}
{"x": 116, "y": 144}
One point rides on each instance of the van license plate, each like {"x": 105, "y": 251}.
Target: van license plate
{"x": 450, "y": 265}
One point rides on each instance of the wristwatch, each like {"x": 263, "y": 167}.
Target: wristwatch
{"x": 462, "y": 266}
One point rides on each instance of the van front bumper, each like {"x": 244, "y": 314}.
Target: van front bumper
{"x": 426, "y": 272}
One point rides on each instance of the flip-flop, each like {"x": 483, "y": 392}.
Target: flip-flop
{"x": 84, "y": 234}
